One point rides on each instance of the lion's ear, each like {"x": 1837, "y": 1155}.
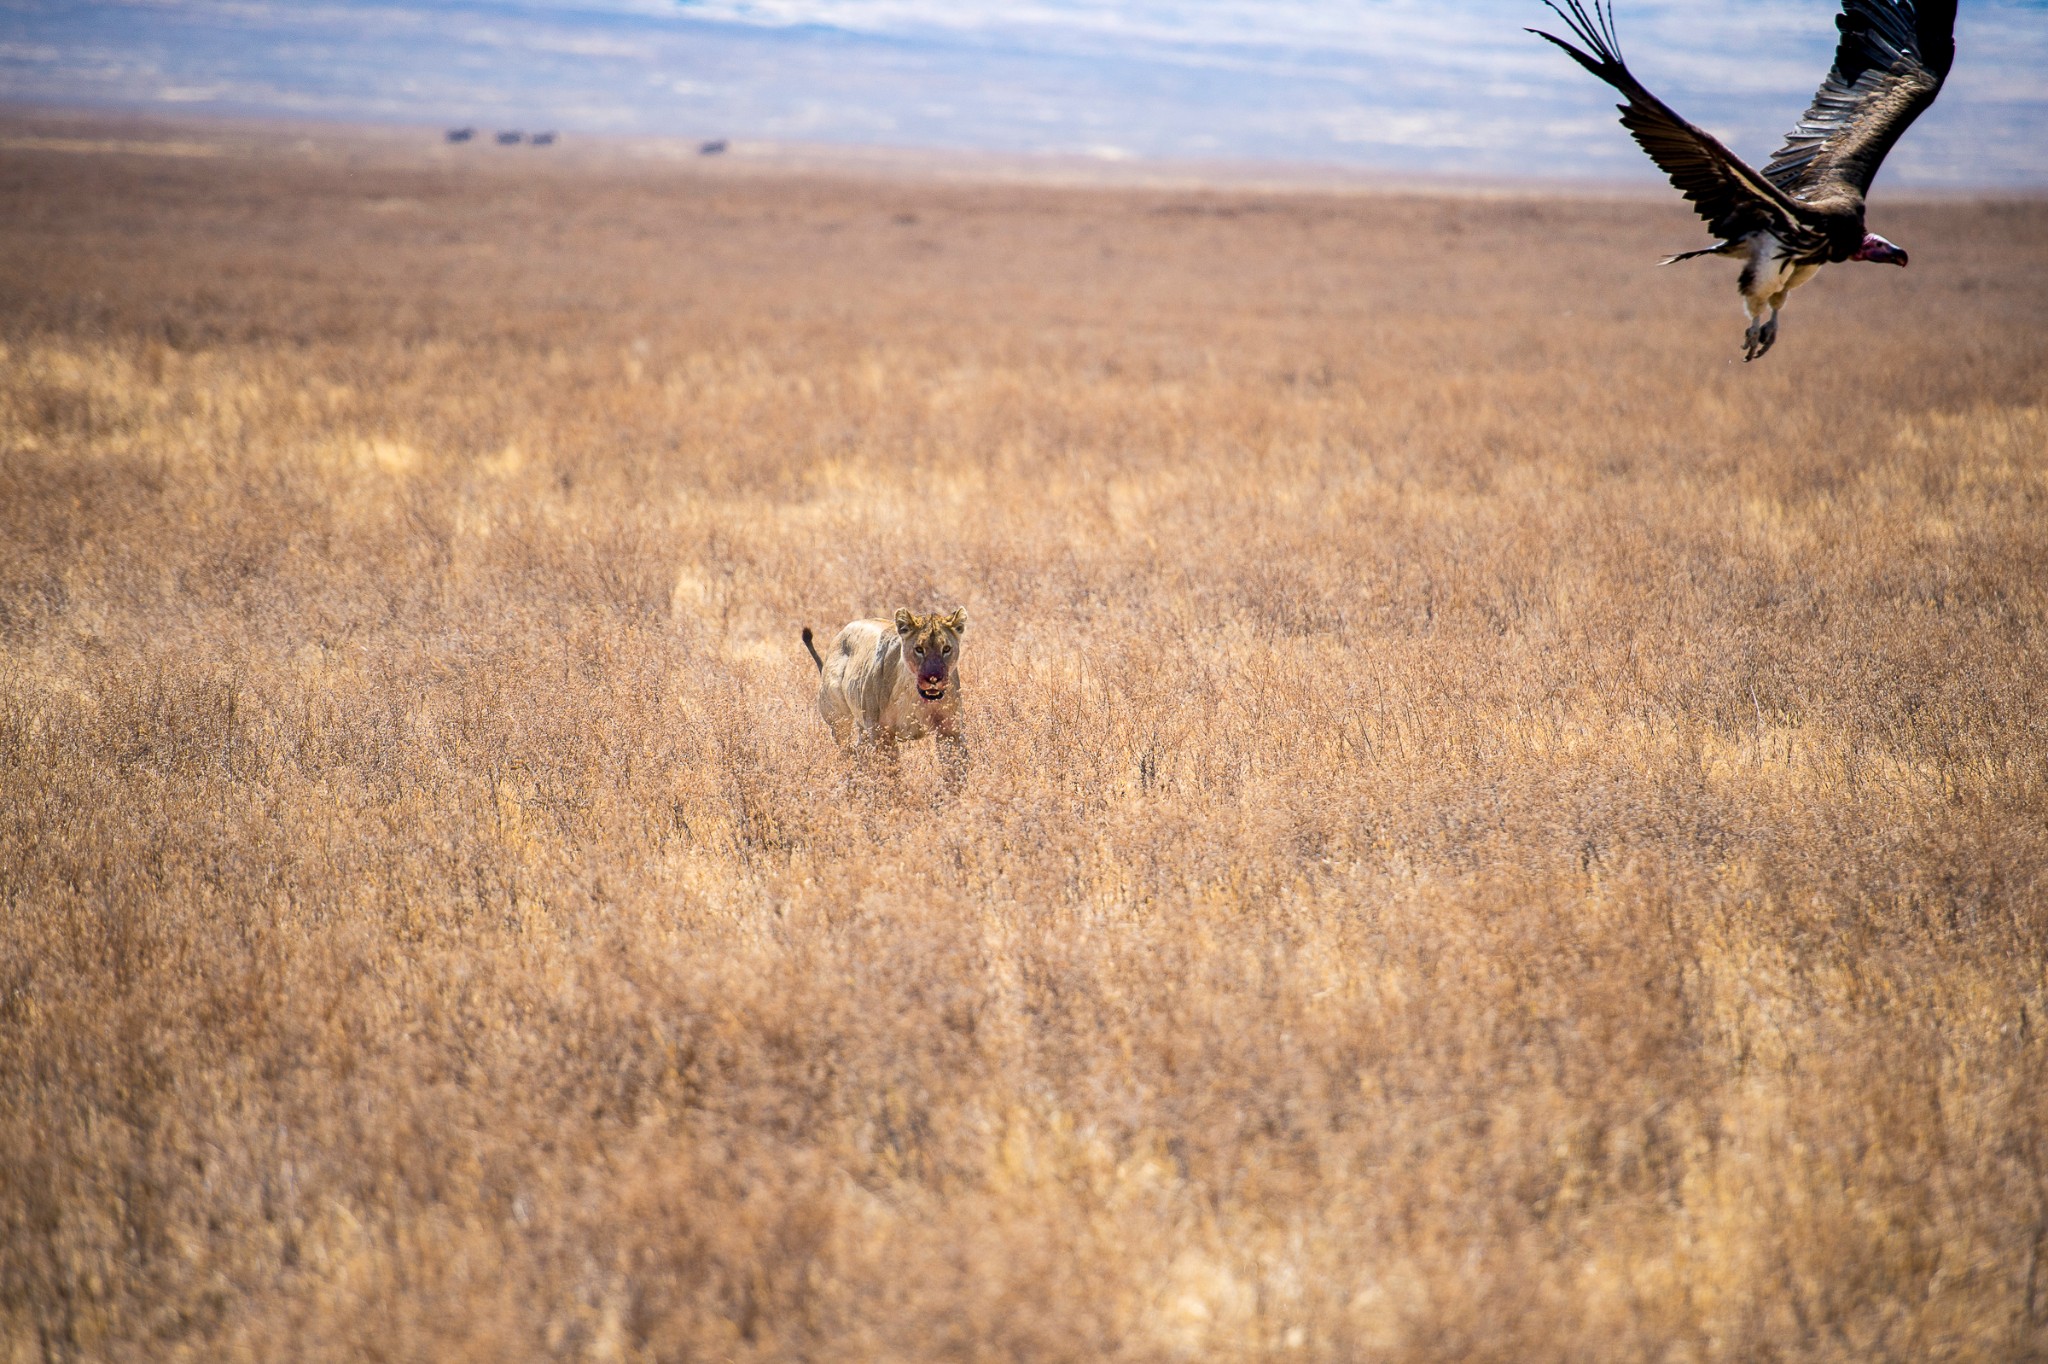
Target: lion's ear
{"x": 957, "y": 622}
{"x": 905, "y": 622}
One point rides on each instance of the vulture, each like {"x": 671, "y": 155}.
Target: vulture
{"x": 1805, "y": 208}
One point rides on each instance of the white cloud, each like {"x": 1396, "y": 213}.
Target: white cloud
{"x": 1419, "y": 84}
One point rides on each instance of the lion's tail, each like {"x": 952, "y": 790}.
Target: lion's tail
{"x": 813, "y": 648}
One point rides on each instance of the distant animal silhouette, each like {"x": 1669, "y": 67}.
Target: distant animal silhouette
{"x": 510, "y": 139}
{"x": 1805, "y": 209}
{"x": 889, "y": 681}
{"x": 712, "y": 148}
{"x": 461, "y": 134}
{"x": 542, "y": 139}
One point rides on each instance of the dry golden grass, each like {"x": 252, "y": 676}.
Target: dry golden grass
{"x": 1496, "y": 833}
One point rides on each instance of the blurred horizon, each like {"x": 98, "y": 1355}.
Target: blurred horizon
{"x": 1397, "y": 85}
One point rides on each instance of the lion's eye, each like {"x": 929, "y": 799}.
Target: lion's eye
{"x": 946, "y": 649}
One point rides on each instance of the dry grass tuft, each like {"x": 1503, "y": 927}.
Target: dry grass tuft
{"x": 1496, "y": 833}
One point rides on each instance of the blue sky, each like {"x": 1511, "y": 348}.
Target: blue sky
{"x": 1405, "y": 85}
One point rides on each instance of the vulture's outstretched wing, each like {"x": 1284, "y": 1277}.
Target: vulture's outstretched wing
{"x": 1734, "y": 199}
{"x": 1889, "y": 66}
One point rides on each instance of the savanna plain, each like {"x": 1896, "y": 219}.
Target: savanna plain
{"x": 1495, "y": 831}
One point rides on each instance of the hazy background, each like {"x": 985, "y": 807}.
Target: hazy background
{"x": 1451, "y": 85}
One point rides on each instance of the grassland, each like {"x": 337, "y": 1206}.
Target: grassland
{"x": 1496, "y": 831}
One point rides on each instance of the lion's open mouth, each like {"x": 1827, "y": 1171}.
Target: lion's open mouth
{"x": 931, "y": 688}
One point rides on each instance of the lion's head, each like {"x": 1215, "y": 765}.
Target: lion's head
{"x": 931, "y": 646}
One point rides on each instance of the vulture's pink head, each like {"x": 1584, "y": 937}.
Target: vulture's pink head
{"x": 1878, "y": 249}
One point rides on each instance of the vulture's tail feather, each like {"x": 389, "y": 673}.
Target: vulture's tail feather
{"x": 1720, "y": 250}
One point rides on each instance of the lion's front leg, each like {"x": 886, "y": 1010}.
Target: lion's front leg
{"x": 886, "y": 750}
{"x": 952, "y": 754}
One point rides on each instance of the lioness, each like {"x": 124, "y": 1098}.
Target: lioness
{"x": 885, "y": 683}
